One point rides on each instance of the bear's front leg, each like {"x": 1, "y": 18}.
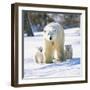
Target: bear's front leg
{"x": 48, "y": 56}
{"x": 59, "y": 55}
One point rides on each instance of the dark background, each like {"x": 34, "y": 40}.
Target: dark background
{"x": 34, "y": 21}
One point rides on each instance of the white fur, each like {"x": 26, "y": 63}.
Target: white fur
{"x": 53, "y": 38}
{"x": 39, "y": 55}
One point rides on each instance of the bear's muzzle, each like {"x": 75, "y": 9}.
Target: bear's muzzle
{"x": 50, "y": 38}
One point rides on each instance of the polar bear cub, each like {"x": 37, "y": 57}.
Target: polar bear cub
{"x": 53, "y": 42}
{"x": 68, "y": 52}
{"x": 39, "y": 55}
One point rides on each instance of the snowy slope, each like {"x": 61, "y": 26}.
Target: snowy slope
{"x": 69, "y": 68}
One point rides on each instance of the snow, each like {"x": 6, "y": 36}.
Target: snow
{"x": 68, "y": 68}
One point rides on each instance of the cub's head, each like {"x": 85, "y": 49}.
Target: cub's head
{"x": 51, "y": 31}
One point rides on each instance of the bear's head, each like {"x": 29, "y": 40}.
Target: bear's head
{"x": 51, "y": 31}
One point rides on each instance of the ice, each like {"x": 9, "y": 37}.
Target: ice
{"x": 69, "y": 68}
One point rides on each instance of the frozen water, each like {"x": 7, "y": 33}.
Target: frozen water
{"x": 69, "y": 68}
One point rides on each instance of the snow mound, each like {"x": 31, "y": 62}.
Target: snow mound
{"x": 69, "y": 68}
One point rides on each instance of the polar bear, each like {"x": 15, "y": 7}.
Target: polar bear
{"x": 39, "y": 55}
{"x": 53, "y": 42}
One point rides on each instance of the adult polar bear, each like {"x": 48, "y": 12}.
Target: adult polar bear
{"x": 53, "y": 38}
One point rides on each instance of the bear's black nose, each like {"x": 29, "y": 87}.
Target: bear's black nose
{"x": 50, "y": 38}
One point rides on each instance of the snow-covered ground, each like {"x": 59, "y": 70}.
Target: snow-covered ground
{"x": 69, "y": 68}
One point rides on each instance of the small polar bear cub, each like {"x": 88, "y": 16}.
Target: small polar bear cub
{"x": 68, "y": 52}
{"x": 39, "y": 55}
{"x": 53, "y": 42}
